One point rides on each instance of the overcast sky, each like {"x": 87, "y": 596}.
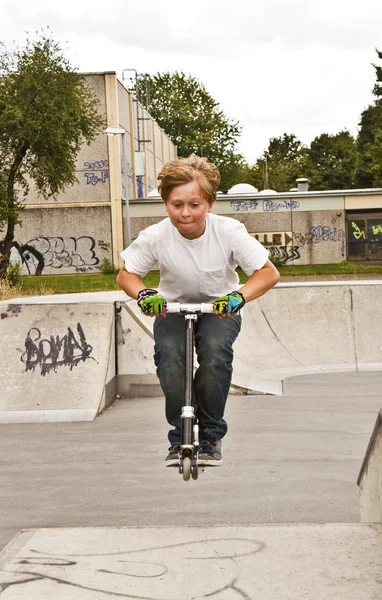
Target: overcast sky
{"x": 295, "y": 66}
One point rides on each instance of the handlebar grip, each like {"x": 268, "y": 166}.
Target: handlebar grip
{"x": 179, "y": 307}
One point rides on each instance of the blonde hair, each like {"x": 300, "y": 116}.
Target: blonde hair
{"x": 183, "y": 170}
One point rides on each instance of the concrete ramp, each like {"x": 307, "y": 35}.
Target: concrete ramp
{"x": 61, "y": 359}
{"x": 296, "y": 329}
{"x": 370, "y": 477}
{"x": 284, "y": 562}
{"x": 57, "y": 357}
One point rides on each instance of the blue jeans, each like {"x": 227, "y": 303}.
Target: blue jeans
{"x": 214, "y": 338}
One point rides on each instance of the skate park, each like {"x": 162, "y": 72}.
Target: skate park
{"x": 90, "y": 511}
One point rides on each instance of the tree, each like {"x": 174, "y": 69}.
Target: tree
{"x": 192, "y": 119}
{"x": 369, "y": 141}
{"x": 331, "y": 161}
{"x": 46, "y": 113}
{"x": 280, "y": 165}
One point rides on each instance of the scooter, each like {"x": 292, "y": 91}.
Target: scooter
{"x": 188, "y": 455}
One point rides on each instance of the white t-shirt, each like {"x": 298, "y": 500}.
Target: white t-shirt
{"x": 197, "y": 270}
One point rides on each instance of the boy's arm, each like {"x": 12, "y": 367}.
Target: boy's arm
{"x": 130, "y": 283}
{"x": 260, "y": 282}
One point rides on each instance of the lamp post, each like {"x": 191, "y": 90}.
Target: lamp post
{"x": 111, "y": 132}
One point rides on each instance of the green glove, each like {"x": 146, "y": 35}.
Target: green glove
{"x": 151, "y": 303}
{"x": 231, "y": 303}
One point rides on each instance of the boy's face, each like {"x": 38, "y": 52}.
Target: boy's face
{"x": 187, "y": 209}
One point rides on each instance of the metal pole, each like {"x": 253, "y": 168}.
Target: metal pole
{"x": 125, "y": 186}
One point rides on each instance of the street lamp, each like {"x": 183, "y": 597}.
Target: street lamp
{"x": 111, "y": 132}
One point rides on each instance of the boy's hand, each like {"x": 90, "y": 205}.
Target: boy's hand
{"x": 231, "y": 303}
{"x": 151, "y": 303}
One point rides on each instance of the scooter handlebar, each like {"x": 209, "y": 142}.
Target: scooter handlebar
{"x": 179, "y": 307}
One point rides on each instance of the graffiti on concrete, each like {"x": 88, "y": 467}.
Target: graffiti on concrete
{"x": 53, "y": 352}
{"x": 98, "y": 172}
{"x": 92, "y": 178}
{"x": 98, "y": 164}
{"x": 171, "y": 571}
{"x": 270, "y": 206}
{"x": 279, "y": 245}
{"x": 243, "y": 206}
{"x": 104, "y": 245}
{"x": 54, "y": 252}
{"x": 319, "y": 234}
{"x": 285, "y": 254}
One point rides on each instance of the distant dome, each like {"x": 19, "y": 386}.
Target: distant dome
{"x": 267, "y": 192}
{"x": 243, "y": 188}
{"x": 153, "y": 193}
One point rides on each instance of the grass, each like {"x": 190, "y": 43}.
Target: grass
{"x": 67, "y": 284}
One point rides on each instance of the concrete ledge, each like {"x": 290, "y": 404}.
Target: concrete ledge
{"x": 46, "y": 416}
{"x": 370, "y": 477}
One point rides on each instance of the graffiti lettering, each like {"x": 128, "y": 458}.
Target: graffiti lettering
{"x": 270, "y": 206}
{"x": 54, "y": 352}
{"x": 244, "y": 205}
{"x": 98, "y": 164}
{"x": 320, "y": 234}
{"x": 284, "y": 253}
{"x": 85, "y": 269}
{"x": 93, "y": 179}
{"x": 58, "y": 252}
{"x": 104, "y": 245}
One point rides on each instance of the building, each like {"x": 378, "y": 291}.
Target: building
{"x": 115, "y": 198}
{"x": 299, "y": 227}
{"x": 82, "y": 228}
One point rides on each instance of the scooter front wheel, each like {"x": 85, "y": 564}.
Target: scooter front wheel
{"x": 186, "y": 467}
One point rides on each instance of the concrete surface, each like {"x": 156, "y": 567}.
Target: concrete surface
{"x": 370, "y": 477}
{"x": 57, "y": 361}
{"x": 341, "y": 562}
{"x": 288, "y": 459}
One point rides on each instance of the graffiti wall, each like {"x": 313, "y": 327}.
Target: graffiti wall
{"x": 64, "y": 244}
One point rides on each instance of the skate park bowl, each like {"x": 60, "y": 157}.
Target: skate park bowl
{"x": 65, "y": 357}
{"x": 370, "y": 477}
{"x": 58, "y": 357}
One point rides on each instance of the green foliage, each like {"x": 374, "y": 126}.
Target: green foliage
{"x": 281, "y": 164}
{"x": 107, "y": 267}
{"x": 13, "y": 274}
{"x": 193, "y": 120}
{"x": 331, "y": 162}
{"x": 276, "y": 261}
{"x": 46, "y": 113}
{"x": 369, "y": 142}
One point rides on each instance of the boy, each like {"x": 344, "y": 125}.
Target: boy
{"x": 197, "y": 253}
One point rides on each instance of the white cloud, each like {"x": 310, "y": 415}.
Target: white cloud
{"x": 298, "y": 66}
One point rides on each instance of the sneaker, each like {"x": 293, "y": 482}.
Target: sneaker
{"x": 172, "y": 458}
{"x": 210, "y": 452}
